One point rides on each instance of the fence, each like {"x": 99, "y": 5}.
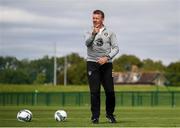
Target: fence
{"x": 131, "y": 99}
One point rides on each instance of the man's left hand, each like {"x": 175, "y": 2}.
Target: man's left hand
{"x": 102, "y": 60}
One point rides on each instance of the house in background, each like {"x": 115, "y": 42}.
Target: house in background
{"x": 136, "y": 77}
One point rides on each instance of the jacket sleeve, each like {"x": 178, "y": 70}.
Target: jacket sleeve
{"x": 114, "y": 46}
{"x": 89, "y": 38}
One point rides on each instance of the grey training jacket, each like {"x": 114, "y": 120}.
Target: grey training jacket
{"x": 102, "y": 44}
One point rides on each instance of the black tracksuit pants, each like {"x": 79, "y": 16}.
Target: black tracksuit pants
{"x": 97, "y": 75}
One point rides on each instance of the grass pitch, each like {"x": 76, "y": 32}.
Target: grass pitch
{"x": 80, "y": 117}
{"x": 82, "y": 88}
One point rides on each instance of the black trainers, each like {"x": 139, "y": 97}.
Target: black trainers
{"x": 111, "y": 118}
{"x": 95, "y": 120}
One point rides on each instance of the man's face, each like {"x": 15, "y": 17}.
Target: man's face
{"x": 97, "y": 20}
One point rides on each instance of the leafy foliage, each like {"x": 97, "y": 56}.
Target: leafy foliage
{"x": 124, "y": 62}
{"x": 173, "y": 73}
{"x": 40, "y": 71}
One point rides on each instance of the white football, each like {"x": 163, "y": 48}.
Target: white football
{"x": 60, "y": 115}
{"x": 24, "y": 115}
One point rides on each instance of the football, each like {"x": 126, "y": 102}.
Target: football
{"x": 24, "y": 115}
{"x": 60, "y": 115}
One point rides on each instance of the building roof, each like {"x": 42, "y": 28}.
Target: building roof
{"x": 148, "y": 77}
{"x": 136, "y": 78}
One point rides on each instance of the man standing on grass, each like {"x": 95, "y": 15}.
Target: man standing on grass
{"x": 101, "y": 48}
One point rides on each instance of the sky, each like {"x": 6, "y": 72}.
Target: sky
{"x": 145, "y": 28}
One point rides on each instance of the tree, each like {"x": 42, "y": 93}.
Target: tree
{"x": 39, "y": 71}
{"x": 173, "y": 73}
{"x": 150, "y": 65}
{"x": 9, "y": 63}
{"x": 124, "y": 63}
{"x": 11, "y": 71}
{"x": 40, "y": 79}
{"x": 10, "y": 76}
{"x": 44, "y": 65}
{"x": 76, "y": 70}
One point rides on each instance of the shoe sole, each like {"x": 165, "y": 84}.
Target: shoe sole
{"x": 111, "y": 121}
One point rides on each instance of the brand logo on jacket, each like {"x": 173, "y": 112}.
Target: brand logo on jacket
{"x": 99, "y": 42}
{"x": 105, "y": 34}
{"x": 89, "y": 73}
